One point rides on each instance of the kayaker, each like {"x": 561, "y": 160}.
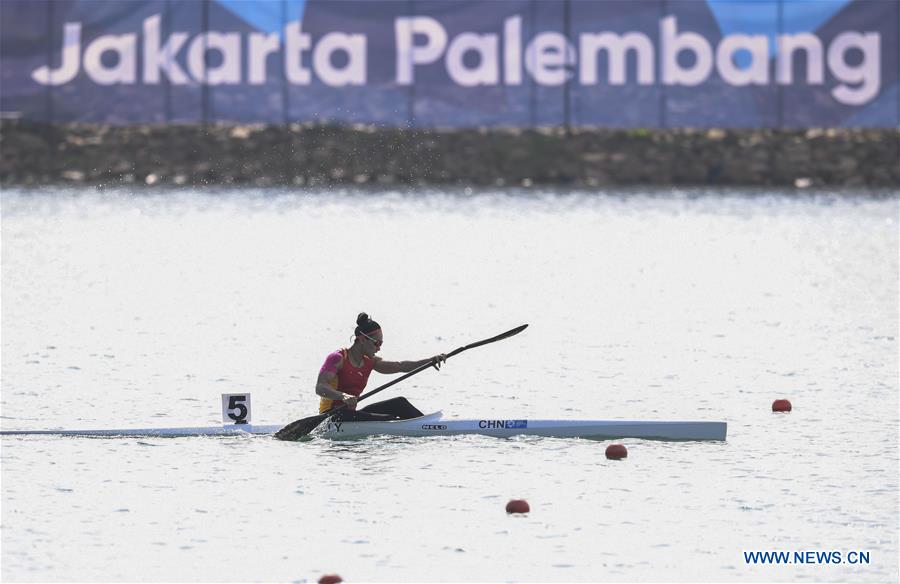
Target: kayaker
{"x": 345, "y": 373}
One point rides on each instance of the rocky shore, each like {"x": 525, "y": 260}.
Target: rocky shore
{"x": 307, "y": 155}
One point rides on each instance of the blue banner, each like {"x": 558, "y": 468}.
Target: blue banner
{"x": 454, "y": 63}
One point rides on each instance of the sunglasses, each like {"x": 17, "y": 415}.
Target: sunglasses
{"x": 375, "y": 342}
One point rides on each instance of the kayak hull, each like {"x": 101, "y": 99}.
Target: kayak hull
{"x": 435, "y": 425}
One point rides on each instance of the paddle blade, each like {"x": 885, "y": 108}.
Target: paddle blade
{"x": 300, "y": 428}
{"x": 499, "y": 337}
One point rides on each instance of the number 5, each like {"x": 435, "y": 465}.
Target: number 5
{"x": 235, "y": 408}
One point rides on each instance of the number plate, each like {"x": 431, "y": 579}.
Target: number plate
{"x": 235, "y": 408}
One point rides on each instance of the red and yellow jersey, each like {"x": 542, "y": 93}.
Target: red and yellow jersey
{"x": 348, "y": 379}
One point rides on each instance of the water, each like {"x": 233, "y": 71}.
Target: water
{"x": 140, "y": 310}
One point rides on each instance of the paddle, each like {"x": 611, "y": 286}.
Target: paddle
{"x": 301, "y": 428}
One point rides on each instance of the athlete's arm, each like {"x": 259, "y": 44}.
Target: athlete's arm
{"x": 389, "y": 367}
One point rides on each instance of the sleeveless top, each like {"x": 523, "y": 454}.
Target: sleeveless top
{"x": 350, "y": 379}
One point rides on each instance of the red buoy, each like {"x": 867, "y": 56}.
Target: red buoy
{"x": 330, "y": 579}
{"x": 781, "y": 405}
{"x": 517, "y": 506}
{"x": 616, "y": 451}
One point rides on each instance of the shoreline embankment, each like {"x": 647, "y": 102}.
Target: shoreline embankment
{"x": 321, "y": 156}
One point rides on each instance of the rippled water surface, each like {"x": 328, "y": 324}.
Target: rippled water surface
{"x": 126, "y": 310}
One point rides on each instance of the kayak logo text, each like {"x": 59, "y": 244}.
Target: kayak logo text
{"x": 434, "y": 427}
{"x": 502, "y": 424}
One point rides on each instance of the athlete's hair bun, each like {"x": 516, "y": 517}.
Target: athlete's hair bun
{"x": 364, "y": 324}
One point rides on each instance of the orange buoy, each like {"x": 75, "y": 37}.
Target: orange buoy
{"x": 781, "y": 405}
{"x": 616, "y": 451}
{"x": 517, "y": 506}
{"x": 330, "y": 579}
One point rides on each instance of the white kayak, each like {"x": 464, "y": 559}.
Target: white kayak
{"x": 436, "y": 425}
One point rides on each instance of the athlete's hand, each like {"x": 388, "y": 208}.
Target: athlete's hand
{"x": 438, "y": 360}
{"x": 350, "y": 400}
